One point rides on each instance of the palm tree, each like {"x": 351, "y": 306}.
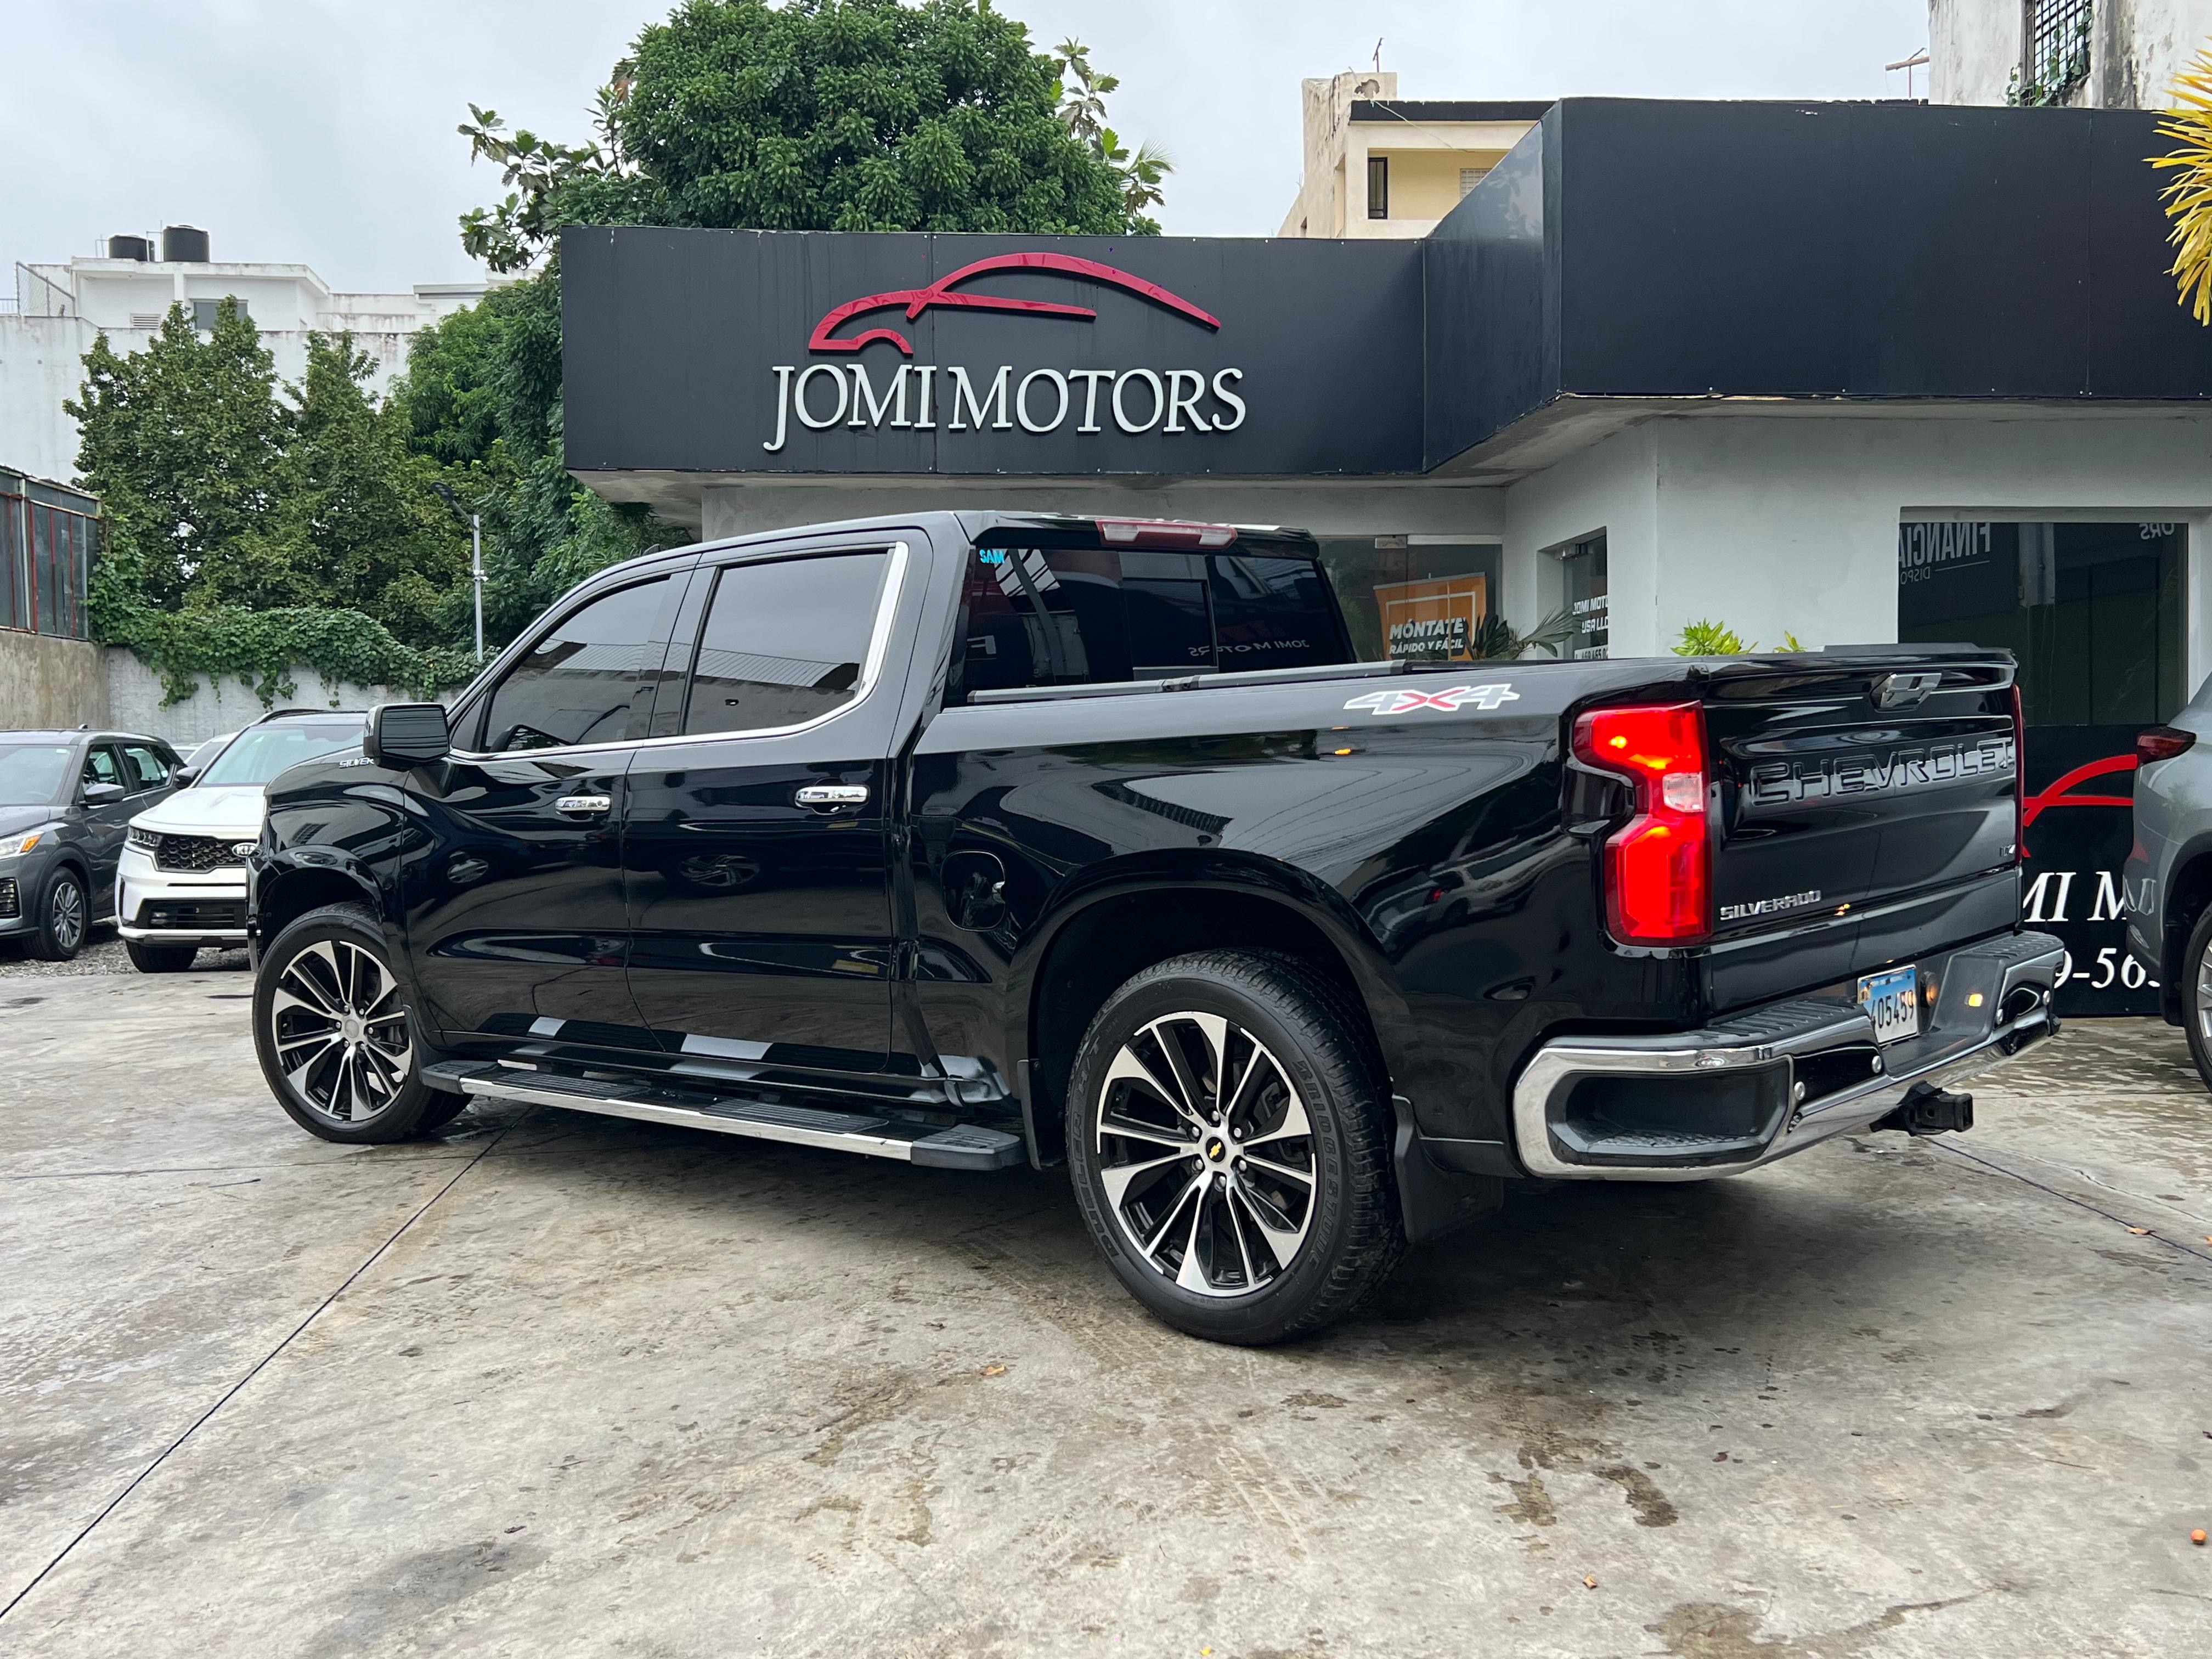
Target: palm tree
{"x": 2189, "y": 197}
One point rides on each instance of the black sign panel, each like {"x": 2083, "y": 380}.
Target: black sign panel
{"x": 763, "y": 351}
{"x": 2080, "y": 812}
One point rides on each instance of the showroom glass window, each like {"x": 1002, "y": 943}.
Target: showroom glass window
{"x": 2091, "y": 611}
{"x": 1590, "y": 605}
{"x": 785, "y": 642}
{"x": 1421, "y": 598}
{"x": 578, "y": 682}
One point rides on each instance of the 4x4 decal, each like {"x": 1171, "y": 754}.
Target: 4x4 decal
{"x": 1405, "y": 699}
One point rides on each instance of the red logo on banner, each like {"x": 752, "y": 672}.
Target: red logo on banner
{"x": 2054, "y": 794}
{"x": 916, "y": 300}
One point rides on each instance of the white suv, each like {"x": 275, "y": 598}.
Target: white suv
{"x": 180, "y": 885}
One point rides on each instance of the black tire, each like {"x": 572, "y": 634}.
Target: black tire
{"x": 443, "y": 1108}
{"x": 345, "y": 1029}
{"x": 63, "y": 913}
{"x": 2195, "y": 989}
{"x": 1293, "y": 1044}
{"x": 160, "y": 958}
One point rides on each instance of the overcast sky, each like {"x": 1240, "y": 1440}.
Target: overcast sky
{"x": 322, "y": 130}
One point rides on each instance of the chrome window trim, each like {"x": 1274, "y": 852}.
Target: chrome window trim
{"x": 879, "y": 643}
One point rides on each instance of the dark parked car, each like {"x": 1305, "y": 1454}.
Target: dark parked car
{"x": 65, "y": 798}
{"x": 975, "y": 839}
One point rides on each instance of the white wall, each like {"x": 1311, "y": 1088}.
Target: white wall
{"x": 1973, "y": 48}
{"x": 134, "y": 701}
{"x": 41, "y": 364}
{"x": 1771, "y": 521}
{"x": 1414, "y": 507}
{"x": 1609, "y": 487}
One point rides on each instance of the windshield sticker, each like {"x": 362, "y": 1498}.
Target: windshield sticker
{"x": 1405, "y": 701}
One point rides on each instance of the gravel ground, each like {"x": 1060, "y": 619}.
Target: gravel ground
{"x": 103, "y": 953}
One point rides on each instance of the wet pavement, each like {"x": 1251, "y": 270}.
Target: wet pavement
{"x": 551, "y": 1382}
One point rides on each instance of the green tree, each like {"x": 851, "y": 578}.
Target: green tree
{"x": 481, "y": 399}
{"x": 354, "y": 525}
{"x": 816, "y": 115}
{"x": 1083, "y": 111}
{"x": 181, "y": 443}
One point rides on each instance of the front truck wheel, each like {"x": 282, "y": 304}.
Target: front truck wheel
{"x": 1228, "y": 1140}
{"x": 336, "y": 1034}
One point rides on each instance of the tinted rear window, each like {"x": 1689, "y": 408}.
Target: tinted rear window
{"x": 1077, "y": 616}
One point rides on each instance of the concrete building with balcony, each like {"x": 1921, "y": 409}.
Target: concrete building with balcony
{"x": 1377, "y": 164}
{"x": 57, "y": 309}
{"x": 2089, "y": 54}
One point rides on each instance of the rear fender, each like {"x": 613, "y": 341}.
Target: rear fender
{"x": 1311, "y": 900}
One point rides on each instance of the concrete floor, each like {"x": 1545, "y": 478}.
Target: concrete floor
{"x": 554, "y": 1383}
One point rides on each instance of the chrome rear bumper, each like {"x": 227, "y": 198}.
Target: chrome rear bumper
{"x": 1769, "y": 1081}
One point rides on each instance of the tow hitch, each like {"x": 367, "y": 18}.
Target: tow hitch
{"x": 1929, "y": 1110}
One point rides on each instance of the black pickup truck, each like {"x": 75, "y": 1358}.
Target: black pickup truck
{"x": 982, "y": 839}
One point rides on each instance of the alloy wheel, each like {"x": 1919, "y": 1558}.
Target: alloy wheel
{"x": 340, "y": 1033}
{"x": 2203, "y": 1009}
{"x": 1206, "y": 1155}
{"x": 68, "y": 915}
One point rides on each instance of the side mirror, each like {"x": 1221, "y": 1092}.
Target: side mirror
{"x": 102, "y": 794}
{"x": 404, "y": 735}
{"x": 183, "y": 775}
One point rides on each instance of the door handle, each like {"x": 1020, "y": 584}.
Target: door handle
{"x": 833, "y": 794}
{"x": 584, "y": 806}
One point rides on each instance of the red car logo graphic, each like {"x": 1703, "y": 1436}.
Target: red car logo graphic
{"x": 916, "y": 300}
{"x": 2056, "y": 792}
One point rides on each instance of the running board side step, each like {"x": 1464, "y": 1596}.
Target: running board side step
{"x": 963, "y": 1147}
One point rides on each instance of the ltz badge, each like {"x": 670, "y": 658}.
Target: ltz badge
{"x": 1406, "y": 700}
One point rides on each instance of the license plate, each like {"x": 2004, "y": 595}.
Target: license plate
{"x": 1892, "y": 1002}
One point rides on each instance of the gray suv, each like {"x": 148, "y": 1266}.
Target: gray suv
{"x": 2169, "y": 875}
{"x": 65, "y": 801}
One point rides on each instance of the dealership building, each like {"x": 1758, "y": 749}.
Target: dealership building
{"x": 1828, "y": 373}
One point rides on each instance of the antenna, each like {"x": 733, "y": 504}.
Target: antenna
{"x": 1378, "y": 54}
{"x": 1908, "y": 64}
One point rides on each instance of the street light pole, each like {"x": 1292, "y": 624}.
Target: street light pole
{"x": 445, "y": 493}
{"x": 476, "y": 573}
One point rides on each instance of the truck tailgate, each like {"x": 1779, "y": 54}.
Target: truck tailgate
{"x": 1866, "y": 811}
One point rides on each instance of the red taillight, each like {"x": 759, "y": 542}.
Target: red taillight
{"x": 2161, "y": 743}
{"x": 1164, "y": 532}
{"x": 1658, "y": 865}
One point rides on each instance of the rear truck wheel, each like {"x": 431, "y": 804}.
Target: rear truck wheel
{"x": 1228, "y": 1140}
{"x": 160, "y": 958}
{"x": 336, "y": 1034}
{"x": 2197, "y": 995}
{"x": 61, "y": 915}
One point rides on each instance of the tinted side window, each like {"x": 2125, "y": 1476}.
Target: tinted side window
{"x": 784, "y": 642}
{"x": 577, "y": 683}
{"x": 148, "y": 770}
{"x": 1069, "y": 615}
{"x": 1274, "y": 613}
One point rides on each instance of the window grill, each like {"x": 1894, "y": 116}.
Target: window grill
{"x": 2058, "y": 43}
